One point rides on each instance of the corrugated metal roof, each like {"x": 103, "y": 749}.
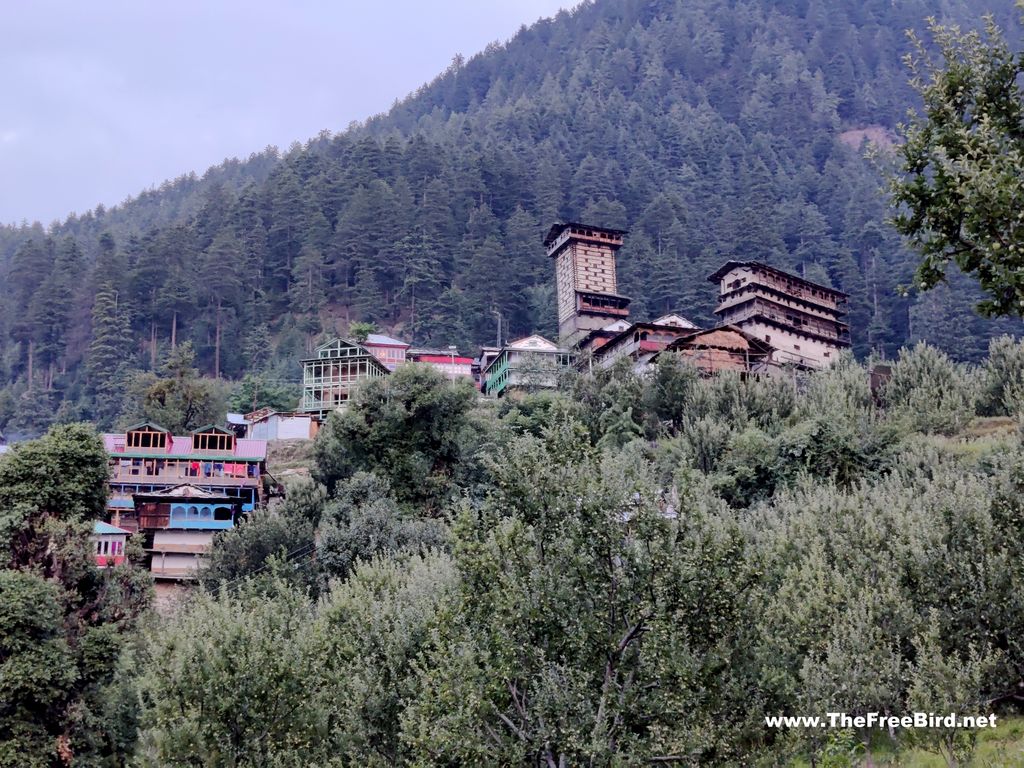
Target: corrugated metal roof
{"x": 101, "y": 528}
{"x": 381, "y": 339}
{"x": 181, "y": 447}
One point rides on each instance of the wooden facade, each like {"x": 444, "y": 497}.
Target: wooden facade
{"x": 179, "y": 524}
{"x": 641, "y": 342}
{"x": 725, "y": 348}
{"x": 525, "y": 364}
{"x": 330, "y": 377}
{"x": 147, "y": 458}
{"x": 586, "y": 284}
{"x": 802, "y": 320}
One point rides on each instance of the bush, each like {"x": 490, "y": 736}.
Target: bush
{"x": 931, "y": 392}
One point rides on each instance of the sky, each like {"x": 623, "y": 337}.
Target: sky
{"x": 100, "y": 100}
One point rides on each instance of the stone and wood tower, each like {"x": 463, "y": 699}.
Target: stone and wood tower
{"x": 585, "y": 282}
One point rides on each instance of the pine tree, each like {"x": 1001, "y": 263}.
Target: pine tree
{"x": 106, "y": 362}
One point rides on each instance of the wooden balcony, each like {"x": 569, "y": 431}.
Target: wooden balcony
{"x": 139, "y": 476}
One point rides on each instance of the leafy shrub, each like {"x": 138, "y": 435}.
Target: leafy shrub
{"x": 930, "y": 391}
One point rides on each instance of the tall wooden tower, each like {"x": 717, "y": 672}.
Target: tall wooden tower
{"x": 585, "y": 279}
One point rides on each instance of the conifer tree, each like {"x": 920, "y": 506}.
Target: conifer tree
{"x": 107, "y": 362}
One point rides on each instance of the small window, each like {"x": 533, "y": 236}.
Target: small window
{"x": 767, "y": 337}
{"x": 99, "y": 547}
{"x": 796, "y": 346}
{"x": 828, "y": 354}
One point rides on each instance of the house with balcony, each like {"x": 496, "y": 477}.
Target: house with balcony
{"x": 803, "y": 321}
{"x": 525, "y": 364}
{"x": 146, "y": 459}
{"x": 179, "y": 524}
{"x": 331, "y": 376}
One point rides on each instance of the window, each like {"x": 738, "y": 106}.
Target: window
{"x": 796, "y": 346}
{"x": 146, "y": 438}
{"x": 99, "y": 547}
{"x": 212, "y": 441}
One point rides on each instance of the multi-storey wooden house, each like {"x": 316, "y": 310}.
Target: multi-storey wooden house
{"x": 179, "y": 524}
{"x": 802, "y": 320}
{"x": 525, "y": 364}
{"x": 335, "y": 370}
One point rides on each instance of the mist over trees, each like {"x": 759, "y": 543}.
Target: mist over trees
{"x": 710, "y": 129}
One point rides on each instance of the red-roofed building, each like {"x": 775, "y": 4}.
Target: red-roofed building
{"x": 449, "y": 363}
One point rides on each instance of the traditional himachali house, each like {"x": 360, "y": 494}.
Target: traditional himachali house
{"x": 801, "y": 319}
{"x": 333, "y": 373}
{"x": 449, "y": 363}
{"x": 180, "y": 524}
{"x": 180, "y": 489}
{"x": 109, "y": 542}
{"x": 768, "y": 317}
{"x": 390, "y": 352}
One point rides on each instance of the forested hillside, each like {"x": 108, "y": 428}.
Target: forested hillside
{"x": 710, "y": 129}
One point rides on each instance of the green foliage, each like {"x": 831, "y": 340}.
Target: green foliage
{"x": 364, "y": 520}
{"x": 405, "y": 427}
{"x": 247, "y": 548}
{"x": 959, "y": 177}
{"x": 368, "y": 635}
{"x": 1003, "y": 393}
{"x": 63, "y": 623}
{"x": 37, "y": 669}
{"x": 255, "y": 391}
{"x": 178, "y": 399}
{"x": 359, "y": 331}
{"x": 225, "y": 655}
{"x": 931, "y": 391}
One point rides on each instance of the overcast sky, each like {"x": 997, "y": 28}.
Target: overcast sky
{"x": 100, "y": 100}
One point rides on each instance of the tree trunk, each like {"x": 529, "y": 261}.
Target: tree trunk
{"x": 31, "y": 351}
{"x": 216, "y": 346}
{"x": 174, "y": 329}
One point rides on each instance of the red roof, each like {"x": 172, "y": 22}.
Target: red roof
{"x": 181, "y": 445}
{"x": 444, "y": 359}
